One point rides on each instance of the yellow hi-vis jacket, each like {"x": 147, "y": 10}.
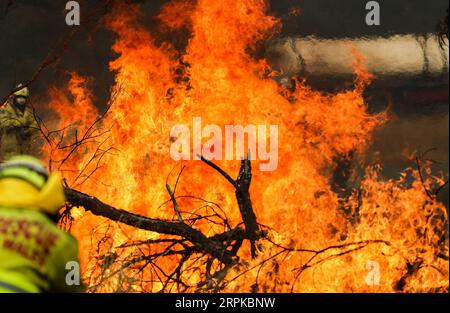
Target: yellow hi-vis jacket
{"x": 34, "y": 253}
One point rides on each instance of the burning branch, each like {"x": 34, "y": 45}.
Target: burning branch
{"x": 200, "y": 241}
{"x": 223, "y": 246}
{"x": 242, "y": 185}
{"x": 172, "y": 195}
{"x": 214, "y": 245}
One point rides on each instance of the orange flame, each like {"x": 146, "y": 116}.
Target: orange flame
{"x": 217, "y": 78}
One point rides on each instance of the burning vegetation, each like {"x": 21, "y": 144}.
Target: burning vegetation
{"x": 147, "y": 223}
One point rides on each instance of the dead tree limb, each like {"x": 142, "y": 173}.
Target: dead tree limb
{"x": 242, "y": 185}
{"x": 199, "y": 240}
{"x": 172, "y": 195}
{"x": 221, "y": 246}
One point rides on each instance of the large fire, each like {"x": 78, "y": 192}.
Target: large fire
{"x": 396, "y": 231}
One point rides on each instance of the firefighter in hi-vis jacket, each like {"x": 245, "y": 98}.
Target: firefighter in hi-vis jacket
{"x": 34, "y": 252}
{"x": 19, "y": 131}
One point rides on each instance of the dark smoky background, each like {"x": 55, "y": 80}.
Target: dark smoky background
{"x": 418, "y": 103}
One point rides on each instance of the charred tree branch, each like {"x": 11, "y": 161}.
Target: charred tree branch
{"x": 199, "y": 240}
{"x": 242, "y": 186}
